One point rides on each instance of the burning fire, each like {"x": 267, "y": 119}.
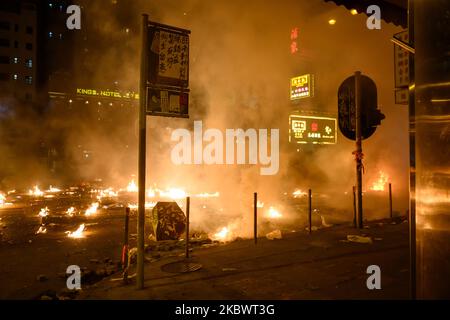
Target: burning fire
{"x": 299, "y": 193}
{"x": 173, "y": 193}
{"x": 44, "y": 212}
{"x": 274, "y": 213}
{"x": 53, "y": 190}
{"x": 208, "y": 195}
{"x": 380, "y": 184}
{"x": 92, "y": 209}
{"x": 76, "y": 234}
{"x": 132, "y": 187}
{"x": 70, "y": 211}
{"x": 2, "y": 199}
{"x": 42, "y": 230}
{"x": 222, "y": 235}
{"x": 36, "y": 192}
{"x": 107, "y": 193}
{"x": 260, "y": 204}
{"x": 148, "y": 205}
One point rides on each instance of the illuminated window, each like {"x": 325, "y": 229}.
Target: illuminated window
{"x": 29, "y": 80}
{"x": 15, "y": 60}
{"x": 50, "y": 34}
{"x": 29, "y": 63}
{"x": 15, "y": 76}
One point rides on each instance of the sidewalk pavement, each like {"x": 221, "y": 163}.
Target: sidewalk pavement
{"x": 323, "y": 265}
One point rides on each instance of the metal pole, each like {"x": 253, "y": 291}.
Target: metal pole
{"x": 188, "y": 204}
{"x": 412, "y": 157}
{"x": 310, "y": 209}
{"x": 125, "y": 246}
{"x": 142, "y": 154}
{"x": 358, "y": 148}
{"x": 354, "y": 207}
{"x": 255, "y": 217}
{"x": 390, "y": 200}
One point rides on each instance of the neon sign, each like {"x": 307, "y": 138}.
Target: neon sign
{"x": 302, "y": 87}
{"x": 313, "y": 130}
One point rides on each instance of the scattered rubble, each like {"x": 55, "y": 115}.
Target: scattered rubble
{"x": 274, "y": 235}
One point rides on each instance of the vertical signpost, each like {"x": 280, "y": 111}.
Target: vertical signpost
{"x": 163, "y": 91}
{"x": 358, "y": 156}
{"x": 358, "y": 120}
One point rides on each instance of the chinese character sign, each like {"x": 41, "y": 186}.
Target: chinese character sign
{"x": 302, "y": 87}
{"x": 168, "y": 56}
{"x": 294, "y": 43}
{"x": 173, "y": 55}
{"x": 312, "y": 130}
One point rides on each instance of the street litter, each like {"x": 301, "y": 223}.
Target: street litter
{"x": 359, "y": 239}
{"x": 274, "y": 235}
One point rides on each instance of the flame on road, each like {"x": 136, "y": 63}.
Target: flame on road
{"x": 53, "y": 190}
{"x": 76, "y": 234}
{"x": 380, "y": 183}
{"x": 222, "y": 235}
{"x": 107, "y": 193}
{"x": 208, "y": 195}
{"x": 42, "y": 230}
{"x": 36, "y": 192}
{"x": 299, "y": 193}
{"x": 274, "y": 213}
{"x": 132, "y": 187}
{"x": 2, "y": 199}
{"x": 44, "y": 212}
{"x": 91, "y": 210}
{"x": 173, "y": 193}
{"x": 70, "y": 211}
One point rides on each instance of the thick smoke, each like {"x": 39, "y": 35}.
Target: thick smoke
{"x": 239, "y": 78}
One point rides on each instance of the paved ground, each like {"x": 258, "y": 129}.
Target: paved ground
{"x": 299, "y": 266}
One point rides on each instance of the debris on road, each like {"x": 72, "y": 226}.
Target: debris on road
{"x": 274, "y": 235}
{"x": 359, "y": 239}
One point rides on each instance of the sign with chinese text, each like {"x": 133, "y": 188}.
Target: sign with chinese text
{"x": 167, "y": 102}
{"x": 401, "y": 62}
{"x": 302, "y": 87}
{"x": 168, "y": 71}
{"x": 312, "y": 129}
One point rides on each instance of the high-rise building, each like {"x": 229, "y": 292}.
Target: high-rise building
{"x": 18, "y": 50}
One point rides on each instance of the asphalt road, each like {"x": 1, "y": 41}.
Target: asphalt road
{"x": 323, "y": 265}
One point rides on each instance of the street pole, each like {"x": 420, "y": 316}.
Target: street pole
{"x": 188, "y": 204}
{"x": 354, "y": 206}
{"x": 412, "y": 157}
{"x": 255, "y": 217}
{"x": 125, "y": 246}
{"x": 358, "y": 148}
{"x": 310, "y": 210}
{"x": 390, "y": 200}
{"x": 142, "y": 154}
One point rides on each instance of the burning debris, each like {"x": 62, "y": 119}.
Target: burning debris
{"x": 132, "y": 187}
{"x": 380, "y": 183}
{"x": 78, "y": 233}
{"x": 36, "y": 192}
{"x": 92, "y": 209}
{"x": 223, "y": 235}
{"x": 2, "y": 199}
{"x": 41, "y": 230}
{"x": 44, "y": 212}
{"x": 70, "y": 212}
{"x": 273, "y": 213}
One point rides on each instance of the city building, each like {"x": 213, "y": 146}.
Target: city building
{"x": 18, "y": 50}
